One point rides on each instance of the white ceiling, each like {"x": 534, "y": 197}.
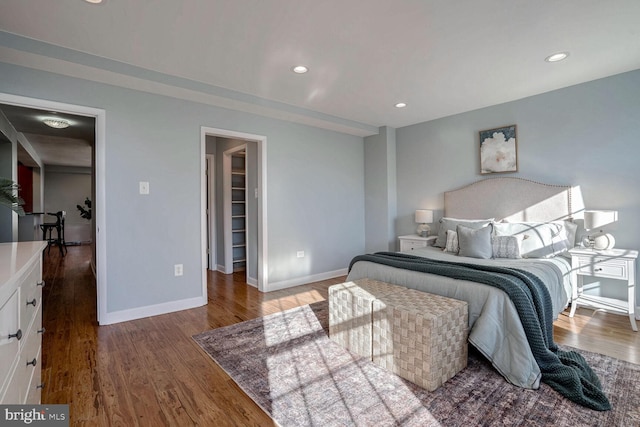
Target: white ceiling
{"x": 441, "y": 57}
{"x": 72, "y": 146}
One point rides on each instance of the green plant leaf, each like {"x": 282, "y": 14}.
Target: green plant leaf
{"x": 9, "y": 196}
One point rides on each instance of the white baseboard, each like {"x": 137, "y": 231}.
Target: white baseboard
{"x": 252, "y": 281}
{"x": 283, "y": 284}
{"x": 152, "y": 310}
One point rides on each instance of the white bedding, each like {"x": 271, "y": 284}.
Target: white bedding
{"x": 494, "y": 325}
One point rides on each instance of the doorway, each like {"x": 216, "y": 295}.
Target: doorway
{"x": 99, "y": 262}
{"x": 256, "y": 236}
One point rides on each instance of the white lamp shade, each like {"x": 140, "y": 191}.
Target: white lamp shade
{"x": 424, "y": 216}
{"x": 597, "y": 219}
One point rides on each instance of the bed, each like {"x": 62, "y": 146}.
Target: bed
{"x": 495, "y": 326}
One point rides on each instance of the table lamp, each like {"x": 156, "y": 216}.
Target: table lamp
{"x": 424, "y": 216}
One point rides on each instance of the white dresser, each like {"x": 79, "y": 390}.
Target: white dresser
{"x": 20, "y": 322}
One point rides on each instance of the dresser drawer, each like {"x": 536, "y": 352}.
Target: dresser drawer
{"x": 14, "y": 392}
{"x": 9, "y": 348}
{"x": 34, "y": 391}
{"x": 30, "y": 358}
{"x": 30, "y": 296}
{"x": 19, "y": 387}
{"x": 603, "y": 267}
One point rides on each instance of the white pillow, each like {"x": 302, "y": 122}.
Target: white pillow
{"x": 452, "y": 242}
{"x": 506, "y": 246}
{"x": 452, "y": 223}
{"x": 544, "y": 239}
{"x": 570, "y": 229}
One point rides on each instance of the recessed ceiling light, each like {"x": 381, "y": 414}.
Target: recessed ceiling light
{"x": 557, "y": 57}
{"x": 57, "y": 123}
{"x": 300, "y": 69}
{"x": 401, "y": 105}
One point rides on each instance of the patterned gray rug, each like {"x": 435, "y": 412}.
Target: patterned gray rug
{"x": 287, "y": 364}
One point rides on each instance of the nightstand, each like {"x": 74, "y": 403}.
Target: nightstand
{"x": 617, "y": 264}
{"x": 413, "y": 241}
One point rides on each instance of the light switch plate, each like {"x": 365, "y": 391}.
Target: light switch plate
{"x": 144, "y": 187}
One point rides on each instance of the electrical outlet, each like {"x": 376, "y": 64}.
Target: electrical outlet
{"x": 300, "y": 254}
{"x": 177, "y": 270}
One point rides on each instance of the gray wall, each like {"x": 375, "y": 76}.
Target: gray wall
{"x": 585, "y": 135}
{"x": 315, "y": 188}
{"x": 380, "y": 191}
{"x": 64, "y": 188}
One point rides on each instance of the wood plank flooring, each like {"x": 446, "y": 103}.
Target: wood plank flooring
{"x": 149, "y": 372}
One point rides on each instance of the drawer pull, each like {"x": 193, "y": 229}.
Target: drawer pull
{"x": 40, "y": 284}
{"x": 597, "y": 269}
{"x": 17, "y": 335}
{"x": 33, "y": 302}
{"x": 41, "y": 385}
{"x": 33, "y": 362}
{"x": 42, "y": 331}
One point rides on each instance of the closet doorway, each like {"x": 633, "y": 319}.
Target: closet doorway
{"x": 235, "y": 198}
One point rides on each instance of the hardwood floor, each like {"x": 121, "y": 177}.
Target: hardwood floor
{"x": 149, "y": 372}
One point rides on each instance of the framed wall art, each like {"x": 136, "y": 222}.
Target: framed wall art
{"x": 498, "y": 150}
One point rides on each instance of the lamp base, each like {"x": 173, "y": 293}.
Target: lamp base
{"x": 599, "y": 242}
{"x": 423, "y": 230}
{"x": 604, "y": 241}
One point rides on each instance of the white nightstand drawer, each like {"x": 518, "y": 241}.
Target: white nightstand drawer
{"x": 603, "y": 267}
{"x": 409, "y": 245}
{"x": 413, "y": 241}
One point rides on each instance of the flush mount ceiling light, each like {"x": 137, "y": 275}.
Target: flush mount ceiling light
{"x": 57, "y": 123}
{"x": 557, "y": 57}
{"x": 93, "y": 1}
{"x": 300, "y": 69}
{"x": 400, "y": 105}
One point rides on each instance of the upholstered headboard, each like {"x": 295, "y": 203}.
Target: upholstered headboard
{"x": 512, "y": 199}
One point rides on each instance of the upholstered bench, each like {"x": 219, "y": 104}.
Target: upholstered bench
{"x": 350, "y": 313}
{"x": 419, "y": 336}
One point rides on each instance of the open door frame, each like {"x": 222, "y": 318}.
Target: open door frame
{"x": 100, "y": 202}
{"x": 211, "y": 210}
{"x": 262, "y": 197}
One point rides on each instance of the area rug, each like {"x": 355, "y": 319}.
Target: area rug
{"x": 288, "y": 365}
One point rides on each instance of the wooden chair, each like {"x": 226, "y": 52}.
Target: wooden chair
{"x": 47, "y": 232}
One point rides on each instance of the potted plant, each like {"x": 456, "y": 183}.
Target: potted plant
{"x": 85, "y": 213}
{"x": 9, "y": 196}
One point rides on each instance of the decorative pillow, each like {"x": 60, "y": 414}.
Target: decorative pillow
{"x": 570, "y": 229}
{"x": 506, "y": 246}
{"x": 545, "y": 239}
{"x": 475, "y": 243}
{"x": 452, "y": 223}
{"x": 452, "y": 242}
